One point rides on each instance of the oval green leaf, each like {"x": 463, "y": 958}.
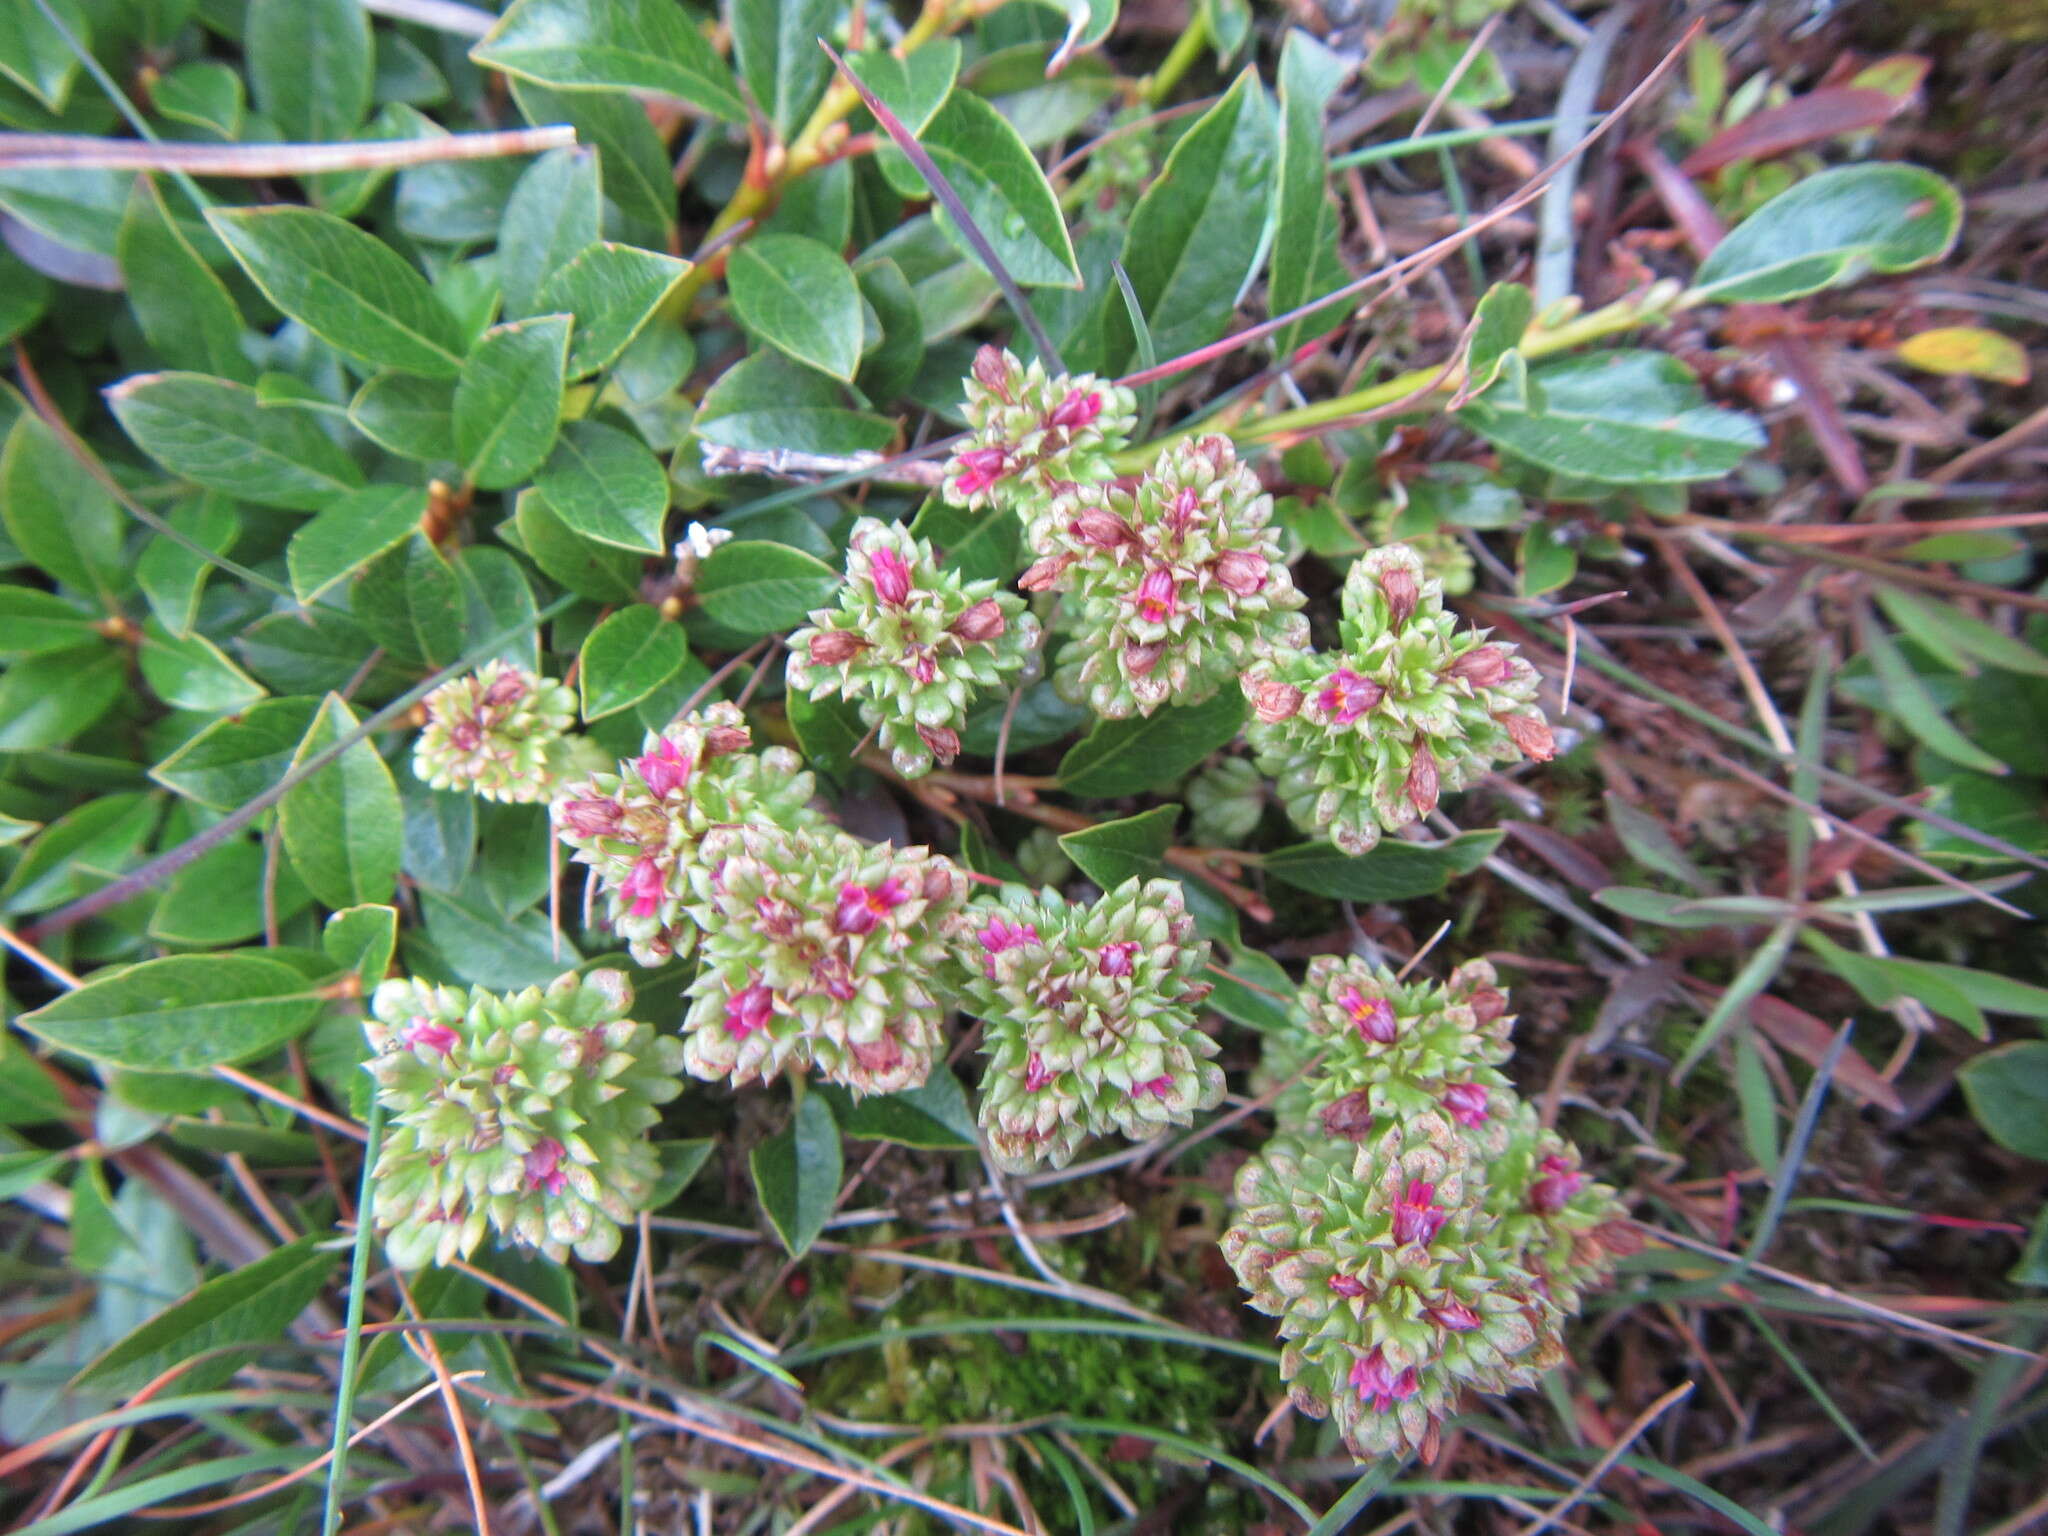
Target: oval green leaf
{"x": 800, "y": 297}
{"x": 1830, "y": 229}
{"x": 188, "y": 1013}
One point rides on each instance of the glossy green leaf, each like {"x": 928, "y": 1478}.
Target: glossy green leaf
{"x": 612, "y": 290}
{"x": 1133, "y": 848}
{"x": 1624, "y": 417}
{"x": 1040, "y": 718}
{"x": 204, "y": 94}
{"x": 1196, "y": 235}
{"x": 935, "y": 1115}
{"x": 2008, "y": 1093}
{"x": 508, "y": 405}
{"x": 483, "y": 947}
{"x": 219, "y": 898}
{"x": 236, "y": 759}
{"x": 362, "y": 940}
{"x": 33, "y": 621}
{"x": 80, "y": 851}
{"x": 829, "y": 731}
{"x": 554, "y": 214}
{"x": 680, "y": 1163}
{"x": 634, "y": 45}
{"x": 500, "y": 614}
{"x": 1393, "y": 871}
{"x": 753, "y": 587}
{"x": 1883, "y": 979}
{"x": 185, "y": 311}
{"x": 345, "y": 286}
{"x": 769, "y": 402}
{"x": 775, "y": 45}
{"x": 172, "y": 573}
{"x": 1830, "y": 229}
{"x": 638, "y": 176}
{"x": 796, "y": 1175}
{"x": 891, "y": 364}
{"x": 602, "y": 572}
{"x": 58, "y": 515}
{"x": 48, "y": 699}
{"x": 217, "y": 434}
{"x": 800, "y": 297}
{"x": 606, "y": 485}
{"x": 987, "y": 545}
{"x": 350, "y": 534}
{"x": 342, "y": 827}
{"x": 1003, "y": 190}
{"x": 1950, "y": 633}
{"x": 191, "y": 672}
{"x": 187, "y": 1013}
{"x": 627, "y": 657}
{"x": 411, "y": 603}
{"x": 406, "y": 415}
{"x": 1254, "y": 991}
{"x": 1502, "y": 316}
{"x": 1127, "y": 757}
{"x": 310, "y": 66}
{"x": 1544, "y": 562}
{"x": 33, "y": 51}
{"x": 1306, "y": 259}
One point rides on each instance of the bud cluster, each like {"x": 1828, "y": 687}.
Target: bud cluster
{"x": 526, "y": 1116}
{"x": 500, "y": 733}
{"x": 1034, "y": 435}
{"x": 1415, "y": 1229}
{"x": 639, "y": 827}
{"x": 911, "y": 643}
{"x": 1367, "y": 739}
{"x": 1175, "y": 584}
{"x": 1090, "y": 1017}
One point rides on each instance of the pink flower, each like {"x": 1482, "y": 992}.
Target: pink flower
{"x": 1078, "y": 410}
{"x": 1378, "y": 1385}
{"x": 1182, "y": 511}
{"x": 1466, "y": 1103}
{"x": 1157, "y": 599}
{"x": 1417, "y": 1216}
{"x": 1453, "y": 1317}
{"x": 1000, "y": 934}
{"x": 1347, "y": 695}
{"x": 1116, "y": 958}
{"x": 1347, "y": 1285}
{"x": 748, "y": 1010}
{"x": 423, "y": 1031}
{"x": 544, "y": 1168}
{"x": 646, "y": 886}
{"x": 862, "y": 906}
{"x": 1158, "y": 1087}
{"x": 924, "y": 668}
{"x": 1036, "y": 1074}
{"x": 981, "y": 468}
{"x": 891, "y": 577}
{"x": 664, "y": 770}
{"x": 1555, "y": 1187}
{"x": 1374, "y": 1016}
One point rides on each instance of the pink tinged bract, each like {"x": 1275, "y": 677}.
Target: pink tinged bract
{"x": 1347, "y": 1285}
{"x": 544, "y": 1168}
{"x": 1453, "y": 1317}
{"x": 1555, "y": 1186}
{"x": 748, "y": 1010}
{"x": 1466, "y": 1103}
{"x": 891, "y": 577}
{"x": 1378, "y": 1385}
{"x": 423, "y": 1032}
{"x": 1117, "y": 959}
{"x": 1158, "y": 1087}
{"x": 1036, "y": 1074}
{"x": 1078, "y": 410}
{"x": 1417, "y": 1216}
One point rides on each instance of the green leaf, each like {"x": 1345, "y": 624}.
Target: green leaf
{"x": 891, "y": 365}
{"x": 501, "y": 616}
{"x": 1041, "y": 718}
{"x": 1393, "y": 871}
{"x": 553, "y": 215}
{"x": 1883, "y": 979}
{"x": 188, "y": 1013}
{"x": 800, "y": 297}
{"x": 411, "y": 603}
{"x": 345, "y": 286}
{"x": 1502, "y": 317}
{"x": 1907, "y": 700}
{"x": 775, "y": 45}
{"x": 34, "y": 53}
{"x": 1546, "y": 562}
{"x": 60, "y": 518}
{"x": 409, "y": 416}
{"x": 1306, "y": 259}
{"x": 508, "y": 405}
{"x": 343, "y": 826}
{"x": 172, "y": 576}
{"x": 440, "y": 834}
{"x": 753, "y": 587}
{"x": 203, "y": 94}
{"x": 1624, "y": 417}
{"x": 79, "y": 851}
{"x": 612, "y": 290}
{"x": 252, "y": 1308}
{"x": 1668, "y": 911}
{"x": 1956, "y": 637}
{"x": 627, "y": 657}
{"x": 2008, "y": 1093}
{"x": 482, "y": 947}
{"x": 1830, "y": 229}
{"x": 1127, "y": 757}
{"x": 349, "y": 535}
{"x": 191, "y": 673}
{"x": 184, "y": 310}
{"x": 362, "y": 940}
{"x": 1196, "y": 235}
{"x": 982, "y": 546}
{"x": 1115, "y": 851}
{"x": 828, "y": 730}
{"x": 1003, "y": 190}
{"x": 219, "y": 435}
{"x": 236, "y": 759}
{"x": 1649, "y": 843}
{"x": 606, "y": 485}
{"x": 680, "y": 1162}
{"x": 48, "y": 699}
{"x": 796, "y": 1175}
{"x": 769, "y": 402}
{"x": 935, "y": 1115}
{"x": 637, "y": 175}
{"x": 310, "y": 66}
{"x": 634, "y": 45}
{"x": 600, "y": 572}
{"x": 1254, "y": 992}
{"x": 33, "y": 621}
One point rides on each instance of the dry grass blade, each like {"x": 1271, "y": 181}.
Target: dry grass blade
{"x": 80, "y": 152}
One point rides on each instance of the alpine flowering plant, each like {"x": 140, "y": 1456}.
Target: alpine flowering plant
{"x": 821, "y": 744}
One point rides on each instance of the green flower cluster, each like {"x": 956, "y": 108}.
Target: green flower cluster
{"x": 1368, "y": 738}
{"x": 1414, "y": 1228}
{"x": 500, "y": 733}
{"x": 912, "y": 643}
{"x": 639, "y": 827}
{"x": 1175, "y": 585}
{"x": 1034, "y": 435}
{"x": 1090, "y": 1018}
{"x": 526, "y": 1116}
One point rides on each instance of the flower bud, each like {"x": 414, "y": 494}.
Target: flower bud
{"x": 1532, "y": 734}
{"x": 1466, "y": 1103}
{"x": 891, "y": 577}
{"x": 1274, "y": 701}
{"x": 1349, "y": 1117}
{"x": 1483, "y": 667}
{"x": 1488, "y": 1004}
{"x": 1422, "y": 785}
{"x": 984, "y": 621}
{"x": 508, "y": 688}
{"x": 1240, "y": 571}
{"x": 1079, "y": 409}
{"x": 943, "y": 741}
{"x": 1045, "y": 574}
{"x": 594, "y": 817}
{"x": 722, "y": 740}
{"x": 1373, "y": 1017}
{"x": 1103, "y": 529}
{"x": 834, "y": 647}
{"x": 664, "y": 770}
{"x": 1453, "y": 1317}
{"x": 1417, "y": 1216}
{"x": 1116, "y": 959}
{"x": 1139, "y": 660}
{"x": 1398, "y": 585}
{"x": 992, "y": 372}
{"x": 747, "y": 1010}
{"x": 1555, "y": 1186}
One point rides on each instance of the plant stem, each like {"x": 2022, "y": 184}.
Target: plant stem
{"x": 1186, "y": 49}
{"x": 352, "y": 1341}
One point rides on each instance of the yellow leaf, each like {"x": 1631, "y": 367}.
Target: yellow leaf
{"x": 1966, "y": 349}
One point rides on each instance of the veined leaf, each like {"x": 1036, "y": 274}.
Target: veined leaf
{"x": 1830, "y": 229}
{"x": 219, "y": 435}
{"x": 628, "y": 45}
{"x": 187, "y": 1013}
{"x": 800, "y": 297}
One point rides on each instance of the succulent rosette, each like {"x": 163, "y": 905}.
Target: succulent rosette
{"x": 819, "y": 954}
{"x": 1393, "y": 1293}
{"x": 1366, "y": 739}
{"x": 499, "y": 733}
{"x": 523, "y": 1115}
{"x": 1569, "y": 1229}
{"x": 639, "y": 828}
{"x": 1035, "y": 434}
{"x": 1175, "y": 586}
{"x": 1090, "y": 1018}
{"x": 912, "y": 643}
